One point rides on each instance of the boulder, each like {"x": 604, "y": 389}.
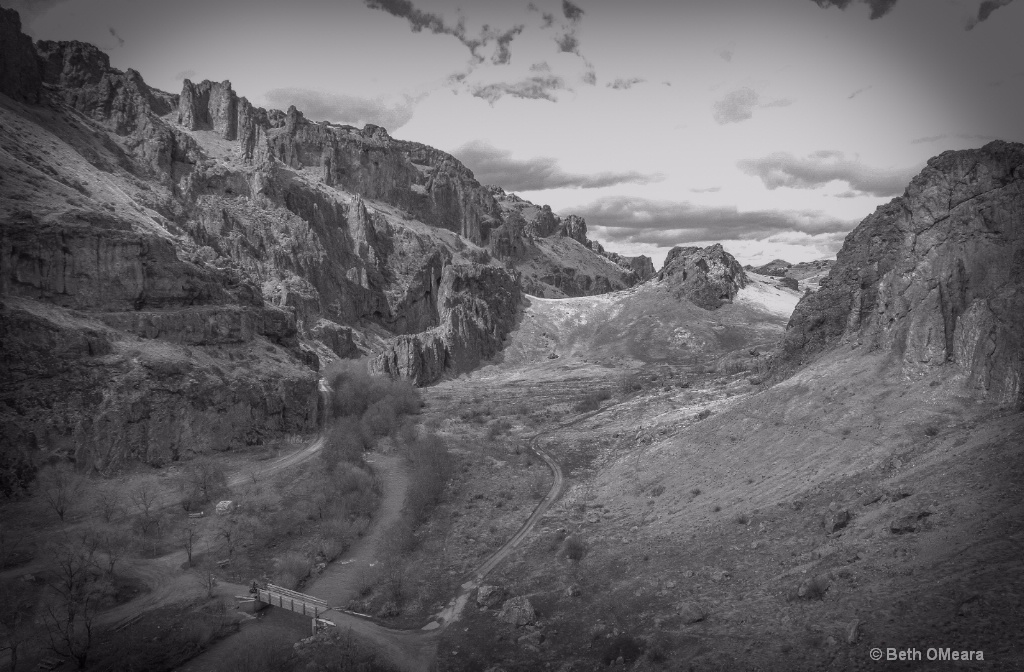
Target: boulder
{"x": 691, "y": 612}
{"x": 517, "y": 611}
{"x": 835, "y": 520}
{"x": 490, "y": 596}
{"x": 708, "y": 277}
{"x": 225, "y": 507}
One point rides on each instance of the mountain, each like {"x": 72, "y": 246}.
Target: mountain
{"x": 935, "y": 276}
{"x": 176, "y": 267}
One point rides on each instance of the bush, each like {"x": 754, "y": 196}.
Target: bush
{"x": 432, "y": 466}
{"x": 355, "y": 390}
{"x": 292, "y": 569}
{"x": 630, "y": 383}
{"x": 625, "y": 646}
{"x": 344, "y": 442}
{"x": 574, "y": 548}
{"x": 592, "y": 401}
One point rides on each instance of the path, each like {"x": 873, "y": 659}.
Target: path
{"x": 345, "y": 577}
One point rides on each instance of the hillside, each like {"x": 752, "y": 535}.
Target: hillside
{"x": 866, "y": 497}
{"x": 147, "y": 235}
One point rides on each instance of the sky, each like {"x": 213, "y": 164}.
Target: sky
{"x": 770, "y": 126}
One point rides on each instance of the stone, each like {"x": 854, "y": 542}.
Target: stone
{"x": 691, "y": 612}
{"x": 490, "y": 596}
{"x": 573, "y": 590}
{"x": 908, "y": 523}
{"x": 720, "y": 576}
{"x": 835, "y": 520}
{"x": 535, "y": 638}
{"x": 224, "y": 507}
{"x": 517, "y": 611}
{"x": 853, "y": 631}
{"x": 919, "y": 277}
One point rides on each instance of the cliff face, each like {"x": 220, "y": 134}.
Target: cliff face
{"x": 477, "y": 307}
{"x": 707, "y": 276}
{"x": 174, "y": 268}
{"x": 554, "y": 256}
{"x": 20, "y": 76}
{"x": 935, "y": 276}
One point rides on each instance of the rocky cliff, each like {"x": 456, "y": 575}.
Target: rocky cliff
{"x": 477, "y": 307}
{"x": 554, "y": 256}
{"x": 935, "y": 276}
{"x": 708, "y": 277}
{"x": 20, "y": 76}
{"x": 193, "y": 259}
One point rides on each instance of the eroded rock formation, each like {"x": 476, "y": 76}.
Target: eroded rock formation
{"x": 935, "y": 275}
{"x": 707, "y": 276}
{"x": 477, "y": 307}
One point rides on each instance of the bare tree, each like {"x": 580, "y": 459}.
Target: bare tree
{"x": 76, "y": 591}
{"x": 114, "y": 543}
{"x": 206, "y": 576}
{"x": 17, "y": 609}
{"x": 60, "y": 488}
{"x": 189, "y": 535}
{"x": 144, "y": 498}
{"x": 10, "y": 543}
{"x": 203, "y": 480}
{"x": 109, "y": 503}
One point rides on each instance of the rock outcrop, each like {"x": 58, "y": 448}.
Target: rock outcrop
{"x": 641, "y": 265}
{"x": 477, "y": 307}
{"x": 20, "y": 75}
{"x": 934, "y": 276}
{"x": 707, "y": 276}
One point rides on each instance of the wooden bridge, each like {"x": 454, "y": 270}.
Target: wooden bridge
{"x": 300, "y": 603}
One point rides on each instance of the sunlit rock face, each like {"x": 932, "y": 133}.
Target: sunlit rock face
{"x": 935, "y": 275}
{"x": 709, "y": 276}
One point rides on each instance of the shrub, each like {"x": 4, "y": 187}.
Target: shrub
{"x": 574, "y": 548}
{"x": 344, "y": 442}
{"x": 630, "y": 383}
{"x": 202, "y": 480}
{"x": 432, "y": 466}
{"x": 592, "y": 401}
{"x": 625, "y": 646}
{"x": 704, "y": 415}
{"x": 355, "y": 390}
{"x": 292, "y": 569}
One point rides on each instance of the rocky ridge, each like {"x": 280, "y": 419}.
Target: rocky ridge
{"x": 147, "y": 235}
{"x": 935, "y": 276}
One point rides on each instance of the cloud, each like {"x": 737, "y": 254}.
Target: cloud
{"x": 186, "y": 74}
{"x": 496, "y": 166}
{"x": 541, "y": 87}
{"x": 113, "y": 33}
{"x": 736, "y": 106}
{"x": 571, "y": 11}
{"x": 985, "y": 9}
{"x": 880, "y": 8}
{"x": 435, "y": 23}
{"x": 782, "y": 169}
{"x": 858, "y": 92}
{"x": 590, "y": 77}
{"x": 943, "y": 136}
{"x": 567, "y": 43}
{"x": 726, "y": 55}
{"x": 341, "y": 108}
{"x": 667, "y": 223}
{"x": 626, "y": 83}
{"x": 706, "y": 190}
